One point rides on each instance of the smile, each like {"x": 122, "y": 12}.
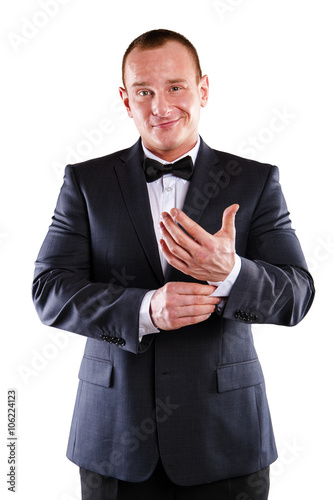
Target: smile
{"x": 167, "y": 124}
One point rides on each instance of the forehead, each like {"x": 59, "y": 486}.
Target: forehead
{"x": 172, "y": 60}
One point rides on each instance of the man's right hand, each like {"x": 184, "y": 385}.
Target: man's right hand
{"x": 181, "y": 304}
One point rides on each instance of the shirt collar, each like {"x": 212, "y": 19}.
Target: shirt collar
{"x": 193, "y": 153}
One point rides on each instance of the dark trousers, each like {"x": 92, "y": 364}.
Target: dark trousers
{"x": 159, "y": 487}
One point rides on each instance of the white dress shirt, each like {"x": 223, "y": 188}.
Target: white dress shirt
{"x": 166, "y": 193}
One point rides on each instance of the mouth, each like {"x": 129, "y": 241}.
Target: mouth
{"x": 166, "y": 125}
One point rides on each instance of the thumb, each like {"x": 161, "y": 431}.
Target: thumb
{"x": 228, "y": 219}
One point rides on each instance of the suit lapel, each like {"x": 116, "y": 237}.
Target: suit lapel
{"x": 203, "y": 186}
{"x": 132, "y": 181}
{"x": 204, "y": 183}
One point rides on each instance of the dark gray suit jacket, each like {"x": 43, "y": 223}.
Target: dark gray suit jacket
{"x": 195, "y": 396}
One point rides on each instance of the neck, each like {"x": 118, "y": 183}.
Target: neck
{"x": 172, "y": 155}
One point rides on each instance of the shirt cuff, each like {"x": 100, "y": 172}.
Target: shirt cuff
{"x": 224, "y": 287}
{"x": 145, "y": 323}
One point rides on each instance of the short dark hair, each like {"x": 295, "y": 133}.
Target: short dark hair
{"x": 157, "y": 38}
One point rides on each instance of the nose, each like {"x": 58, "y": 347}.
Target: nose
{"x": 160, "y": 106}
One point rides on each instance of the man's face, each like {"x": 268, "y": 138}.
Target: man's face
{"x": 164, "y": 97}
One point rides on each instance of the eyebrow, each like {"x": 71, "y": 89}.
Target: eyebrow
{"x": 173, "y": 81}
{"x": 178, "y": 80}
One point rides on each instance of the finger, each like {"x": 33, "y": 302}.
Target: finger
{"x": 171, "y": 259}
{"x": 194, "y": 311}
{"x": 228, "y": 219}
{"x": 191, "y": 227}
{"x": 178, "y": 294}
{"x": 183, "y": 288}
{"x": 185, "y": 265}
{"x": 183, "y": 239}
{"x": 196, "y": 300}
{"x": 175, "y": 247}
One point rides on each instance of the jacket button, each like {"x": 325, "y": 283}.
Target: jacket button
{"x": 113, "y": 340}
{"x": 245, "y": 316}
{"x": 118, "y": 341}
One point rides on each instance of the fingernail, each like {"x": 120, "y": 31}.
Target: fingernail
{"x": 173, "y": 212}
{"x": 164, "y": 215}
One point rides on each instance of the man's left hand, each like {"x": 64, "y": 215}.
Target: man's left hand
{"x": 201, "y": 255}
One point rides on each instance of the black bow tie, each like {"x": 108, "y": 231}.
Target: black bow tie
{"x": 154, "y": 169}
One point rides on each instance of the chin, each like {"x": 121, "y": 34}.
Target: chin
{"x": 165, "y": 145}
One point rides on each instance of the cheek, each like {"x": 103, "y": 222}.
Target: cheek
{"x": 191, "y": 107}
{"x": 140, "y": 115}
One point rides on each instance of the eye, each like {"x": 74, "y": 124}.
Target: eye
{"x": 175, "y": 88}
{"x": 144, "y": 93}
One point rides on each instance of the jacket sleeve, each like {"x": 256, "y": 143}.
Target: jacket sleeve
{"x": 63, "y": 293}
{"x": 274, "y": 285}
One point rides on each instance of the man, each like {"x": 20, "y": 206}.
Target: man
{"x": 171, "y": 401}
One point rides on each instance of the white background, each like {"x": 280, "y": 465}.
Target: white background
{"x": 60, "y": 78}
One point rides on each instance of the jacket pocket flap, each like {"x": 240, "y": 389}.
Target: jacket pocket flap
{"x": 239, "y": 375}
{"x": 96, "y": 371}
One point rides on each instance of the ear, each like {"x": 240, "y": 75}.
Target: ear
{"x": 204, "y": 91}
{"x": 125, "y": 99}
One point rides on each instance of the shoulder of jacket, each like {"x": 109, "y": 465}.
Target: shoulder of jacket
{"x": 245, "y": 162}
{"x": 101, "y": 161}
